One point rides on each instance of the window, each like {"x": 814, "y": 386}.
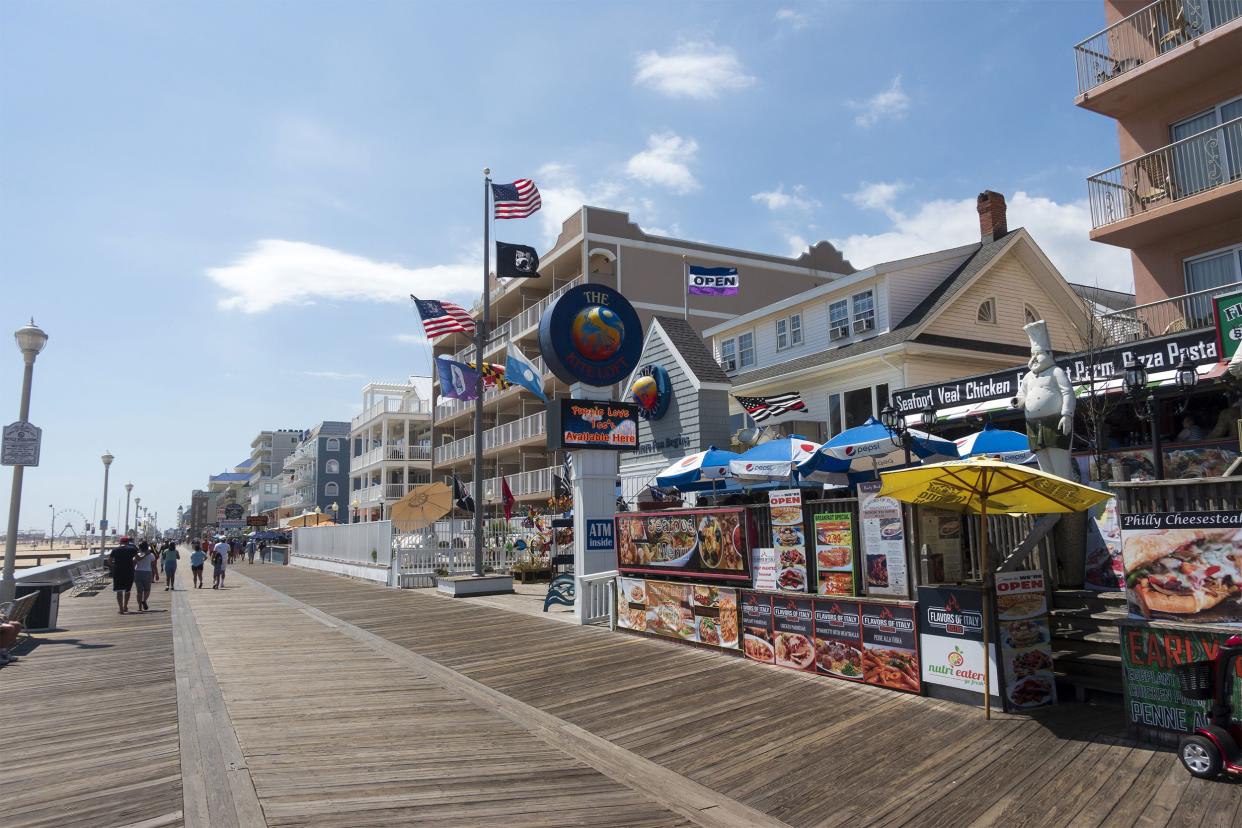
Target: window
{"x": 881, "y": 396}
{"x": 857, "y": 406}
{"x": 746, "y": 350}
{"x": 987, "y": 312}
{"x": 1207, "y": 156}
{"x": 332, "y": 467}
{"x": 839, "y": 320}
{"x": 1221, "y": 267}
{"x": 333, "y": 444}
{"x": 789, "y": 332}
{"x": 834, "y": 414}
{"x": 864, "y": 312}
{"x": 728, "y": 354}
{"x": 330, "y": 489}
{"x": 1032, "y": 315}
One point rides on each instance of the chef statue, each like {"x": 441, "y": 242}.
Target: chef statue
{"x": 1048, "y": 400}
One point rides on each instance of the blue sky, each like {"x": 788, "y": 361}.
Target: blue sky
{"x": 215, "y": 209}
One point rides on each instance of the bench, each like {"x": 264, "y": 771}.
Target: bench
{"x": 86, "y": 578}
{"x": 16, "y": 612}
{"x": 562, "y": 591}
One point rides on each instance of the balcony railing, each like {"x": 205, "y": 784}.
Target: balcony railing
{"x": 1180, "y": 313}
{"x": 394, "y": 452}
{"x": 1193, "y": 165}
{"x": 535, "y": 482}
{"x": 534, "y": 425}
{"x": 1148, "y": 33}
{"x": 391, "y": 406}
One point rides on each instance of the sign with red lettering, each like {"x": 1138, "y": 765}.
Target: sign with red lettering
{"x": 1026, "y": 653}
{"x": 1153, "y": 695}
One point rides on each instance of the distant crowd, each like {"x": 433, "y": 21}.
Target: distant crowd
{"x": 137, "y": 567}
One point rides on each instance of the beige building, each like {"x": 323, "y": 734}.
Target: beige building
{"x": 599, "y": 246}
{"x": 920, "y": 320}
{"x": 1170, "y": 74}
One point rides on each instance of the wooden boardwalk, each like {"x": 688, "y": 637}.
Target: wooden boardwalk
{"x": 299, "y": 698}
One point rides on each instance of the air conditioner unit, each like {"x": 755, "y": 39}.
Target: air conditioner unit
{"x": 861, "y": 325}
{"x": 728, "y": 364}
{"x": 838, "y": 333}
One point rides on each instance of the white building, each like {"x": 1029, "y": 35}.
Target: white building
{"x": 391, "y": 448}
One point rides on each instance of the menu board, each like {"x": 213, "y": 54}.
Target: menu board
{"x": 793, "y": 632}
{"x": 1021, "y": 610}
{"x": 757, "y": 627}
{"x": 883, "y": 542}
{"x": 838, "y": 639}
{"x": 1183, "y": 566}
{"x": 834, "y": 553}
{"x": 951, "y": 643}
{"x": 711, "y": 543}
{"x": 1153, "y": 696}
{"x": 764, "y": 564}
{"x": 941, "y": 532}
{"x": 865, "y": 641}
{"x": 789, "y": 539}
{"x": 890, "y": 641}
{"x": 689, "y": 612}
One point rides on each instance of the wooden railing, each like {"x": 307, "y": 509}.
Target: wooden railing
{"x": 1204, "y": 494}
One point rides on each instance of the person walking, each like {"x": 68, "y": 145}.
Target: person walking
{"x": 219, "y": 558}
{"x": 197, "y": 558}
{"x": 144, "y": 569}
{"x": 122, "y": 560}
{"x": 250, "y": 551}
{"x": 262, "y": 551}
{"x": 170, "y": 556}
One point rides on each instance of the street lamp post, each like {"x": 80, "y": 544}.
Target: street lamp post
{"x": 103, "y": 517}
{"x": 356, "y": 504}
{"x": 129, "y": 487}
{"x": 30, "y": 340}
{"x": 334, "y": 507}
{"x": 137, "y": 516}
{"x": 51, "y": 539}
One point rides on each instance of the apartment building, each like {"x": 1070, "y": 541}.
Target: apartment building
{"x": 597, "y": 246}
{"x": 390, "y": 445}
{"x": 316, "y": 474}
{"x": 845, "y": 346}
{"x": 1170, "y": 74}
{"x": 268, "y": 451}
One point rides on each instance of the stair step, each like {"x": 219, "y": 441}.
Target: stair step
{"x": 1076, "y": 594}
{"x": 1110, "y": 615}
{"x": 1109, "y": 636}
{"x": 1071, "y": 655}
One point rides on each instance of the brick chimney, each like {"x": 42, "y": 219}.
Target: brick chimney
{"x": 992, "y": 223}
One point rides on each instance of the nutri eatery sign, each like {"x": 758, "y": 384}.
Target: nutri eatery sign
{"x": 1109, "y": 364}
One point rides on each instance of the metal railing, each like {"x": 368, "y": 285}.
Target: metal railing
{"x": 522, "y": 484}
{"x": 391, "y": 406}
{"x": 1180, "y": 313}
{"x": 1146, "y": 34}
{"x": 533, "y": 425}
{"x": 1193, "y": 165}
{"x": 394, "y": 452}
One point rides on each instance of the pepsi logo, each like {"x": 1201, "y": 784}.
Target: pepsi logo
{"x": 807, "y": 447}
{"x": 688, "y": 461}
{"x": 849, "y": 450}
{"x": 749, "y": 466}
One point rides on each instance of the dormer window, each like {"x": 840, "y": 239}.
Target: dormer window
{"x": 1031, "y": 314}
{"x": 987, "y": 312}
{"x": 864, "y": 312}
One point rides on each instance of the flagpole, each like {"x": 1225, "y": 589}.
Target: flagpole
{"x": 481, "y": 341}
{"x": 685, "y": 287}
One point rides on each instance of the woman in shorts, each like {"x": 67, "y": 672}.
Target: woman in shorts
{"x": 144, "y": 570}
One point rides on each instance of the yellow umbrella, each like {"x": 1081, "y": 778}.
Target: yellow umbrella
{"x": 983, "y": 485}
{"x": 423, "y": 506}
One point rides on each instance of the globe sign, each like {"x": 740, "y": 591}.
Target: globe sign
{"x": 652, "y": 391}
{"x": 591, "y": 334}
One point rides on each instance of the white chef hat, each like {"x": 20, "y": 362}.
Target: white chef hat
{"x": 1038, "y": 332}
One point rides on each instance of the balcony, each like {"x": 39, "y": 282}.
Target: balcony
{"x": 506, "y": 434}
{"x": 1180, "y": 313}
{"x": 394, "y": 453}
{"x": 1195, "y": 179}
{"x": 1124, "y": 67}
{"x": 449, "y": 407}
{"x": 390, "y": 406}
{"x": 533, "y": 484}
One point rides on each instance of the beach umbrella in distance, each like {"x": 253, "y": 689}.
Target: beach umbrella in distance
{"x": 1010, "y": 446}
{"x": 702, "y": 466}
{"x": 422, "y": 506}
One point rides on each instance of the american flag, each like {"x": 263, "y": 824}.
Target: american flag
{"x": 760, "y": 408}
{"x": 516, "y": 200}
{"x": 440, "y": 318}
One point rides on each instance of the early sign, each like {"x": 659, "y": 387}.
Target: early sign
{"x": 21, "y": 444}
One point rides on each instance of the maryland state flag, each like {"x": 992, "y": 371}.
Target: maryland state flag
{"x": 493, "y": 375}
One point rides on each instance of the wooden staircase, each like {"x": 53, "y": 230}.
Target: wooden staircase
{"x": 1086, "y": 642}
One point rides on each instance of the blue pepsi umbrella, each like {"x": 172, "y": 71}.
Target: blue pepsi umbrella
{"x": 775, "y": 460}
{"x": 1010, "y": 446}
{"x": 870, "y": 447}
{"x": 702, "y": 466}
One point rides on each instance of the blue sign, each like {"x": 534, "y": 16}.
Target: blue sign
{"x": 592, "y": 335}
{"x": 651, "y": 390}
{"x": 599, "y": 534}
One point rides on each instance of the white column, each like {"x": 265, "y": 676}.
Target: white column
{"x": 594, "y": 489}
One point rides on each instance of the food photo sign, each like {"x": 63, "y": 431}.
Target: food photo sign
{"x": 1183, "y": 566}
{"x": 883, "y": 542}
{"x": 710, "y": 543}
{"x": 834, "y": 553}
{"x": 687, "y": 612}
{"x": 789, "y": 539}
{"x": 1026, "y": 652}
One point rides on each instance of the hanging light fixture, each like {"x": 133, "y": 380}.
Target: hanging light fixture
{"x": 1187, "y": 377}
{"x": 1135, "y": 380}
{"x": 929, "y": 418}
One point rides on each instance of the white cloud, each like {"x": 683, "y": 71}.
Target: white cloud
{"x": 778, "y": 199}
{"x": 666, "y": 163}
{"x": 698, "y": 69}
{"x": 278, "y": 272}
{"x": 797, "y": 246}
{"x": 878, "y": 196}
{"x": 794, "y": 19}
{"x": 1059, "y": 229}
{"x": 333, "y": 375}
{"x": 891, "y": 103}
{"x": 411, "y": 339}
